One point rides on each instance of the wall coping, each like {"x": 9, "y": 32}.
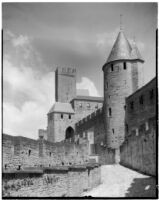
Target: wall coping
{"x": 58, "y": 169}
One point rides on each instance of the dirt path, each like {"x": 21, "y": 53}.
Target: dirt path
{"x": 119, "y": 181}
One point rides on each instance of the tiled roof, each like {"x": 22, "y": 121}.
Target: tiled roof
{"x": 62, "y": 108}
{"x": 88, "y": 98}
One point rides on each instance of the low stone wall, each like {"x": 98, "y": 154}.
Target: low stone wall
{"x": 139, "y": 152}
{"x": 51, "y": 182}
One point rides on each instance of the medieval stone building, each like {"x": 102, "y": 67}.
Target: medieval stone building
{"x": 85, "y": 132}
{"x": 123, "y": 75}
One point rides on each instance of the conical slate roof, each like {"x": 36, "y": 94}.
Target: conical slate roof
{"x": 135, "y": 54}
{"x": 122, "y": 50}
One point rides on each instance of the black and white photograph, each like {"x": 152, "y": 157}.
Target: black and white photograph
{"x": 79, "y": 100}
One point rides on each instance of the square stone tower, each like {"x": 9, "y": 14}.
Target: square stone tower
{"x": 65, "y": 84}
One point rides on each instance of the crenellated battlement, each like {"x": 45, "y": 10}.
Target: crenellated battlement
{"x": 92, "y": 116}
{"x": 66, "y": 71}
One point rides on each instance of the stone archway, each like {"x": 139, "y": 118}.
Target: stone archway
{"x": 69, "y": 133}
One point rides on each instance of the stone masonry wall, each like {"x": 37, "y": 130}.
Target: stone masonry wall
{"x": 83, "y": 108}
{"x": 139, "y": 149}
{"x": 118, "y": 84}
{"x": 50, "y": 183}
{"x": 139, "y": 152}
{"x": 95, "y": 123}
{"x": 65, "y": 84}
{"x": 21, "y": 152}
{"x": 58, "y": 124}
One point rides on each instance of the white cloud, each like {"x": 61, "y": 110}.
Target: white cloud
{"x": 20, "y": 41}
{"x": 106, "y": 39}
{"x": 87, "y": 84}
{"x": 26, "y": 79}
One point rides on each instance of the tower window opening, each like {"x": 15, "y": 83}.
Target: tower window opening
{"x": 132, "y": 105}
{"x": 50, "y": 154}
{"x": 141, "y": 100}
{"x": 29, "y": 152}
{"x": 88, "y": 105}
{"x": 124, "y": 107}
{"x": 151, "y": 94}
{"x": 127, "y": 128}
{"x": 61, "y": 116}
{"x": 113, "y": 130}
{"x": 124, "y": 66}
{"x": 5, "y": 166}
{"x": 69, "y": 116}
{"x": 112, "y": 68}
{"x": 80, "y": 105}
{"x": 110, "y": 112}
{"x": 96, "y": 107}
{"x": 19, "y": 167}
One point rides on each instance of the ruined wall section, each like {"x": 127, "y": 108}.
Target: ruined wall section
{"x": 21, "y": 152}
{"x": 139, "y": 149}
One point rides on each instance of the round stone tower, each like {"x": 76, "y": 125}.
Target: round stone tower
{"x": 123, "y": 75}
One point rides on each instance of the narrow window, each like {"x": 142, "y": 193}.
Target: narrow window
{"x": 50, "y": 117}
{"x": 96, "y": 107}
{"x": 5, "y": 166}
{"x": 151, "y": 94}
{"x": 132, "y": 105}
{"x": 50, "y": 154}
{"x": 110, "y": 112}
{"x": 147, "y": 126}
{"x": 29, "y": 152}
{"x": 69, "y": 116}
{"x": 61, "y": 116}
{"x": 124, "y": 66}
{"x": 113, "y": 130}
{"x": 141, "y": 100}
{"x": 124, "y": 107}
{"x": 19, "y": 167}
{"x": 127, "y": 128}
{"x": 107, "y": 85}
{"x": 80, "y": 105}
{"x": 112, "y": 67}
{"x": 88, "y": 105}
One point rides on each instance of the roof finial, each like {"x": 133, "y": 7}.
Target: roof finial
{"x": 121, "y": 25}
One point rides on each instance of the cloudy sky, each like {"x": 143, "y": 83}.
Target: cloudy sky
{"x": 37, "y": 37}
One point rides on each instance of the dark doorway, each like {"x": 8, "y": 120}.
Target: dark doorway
{"x": 69, "y": 132}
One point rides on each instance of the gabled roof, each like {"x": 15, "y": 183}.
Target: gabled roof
{"x": 122, "y": 50}
{"x": 59, "y": 107}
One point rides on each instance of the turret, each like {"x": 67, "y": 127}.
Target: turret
{"x": 122, "y": 72}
